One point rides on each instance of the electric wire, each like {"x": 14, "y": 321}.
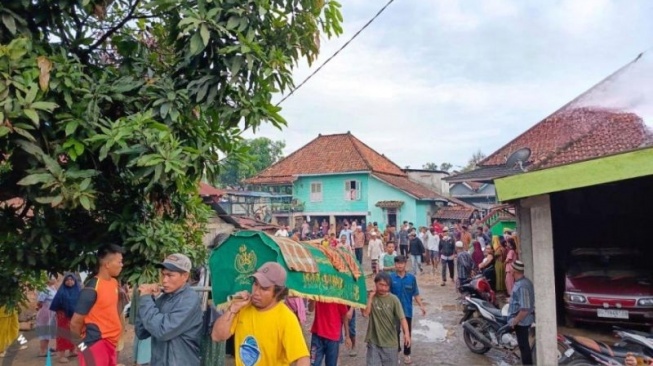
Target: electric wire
{"x": 337, "y": 52}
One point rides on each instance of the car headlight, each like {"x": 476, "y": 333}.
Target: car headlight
{"x": 645, "y": 302}
{"x": 575, "y": 298}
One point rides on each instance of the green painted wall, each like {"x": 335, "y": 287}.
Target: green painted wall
{"x": 421, "y": 210}
{"x": 333, "y": 193}
{"x": 608, "y": 169}
{"x": 381, "y": 191}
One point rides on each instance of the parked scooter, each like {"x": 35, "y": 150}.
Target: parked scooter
{"x": 585, "y": 351}
{"x": 478, "y": 287}
{"x": 489, "y": 330}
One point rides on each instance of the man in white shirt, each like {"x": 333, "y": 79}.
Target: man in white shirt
{"x": 432, "y": 244}
{"x": 347, "y": 234}
{"x": 374, "y": 250}
{"x": 282, "y": 232}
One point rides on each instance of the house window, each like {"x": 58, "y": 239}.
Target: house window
{"x": 316, "y": 192}
{"x": 391, "y": 216}
{"x": 352, "y": 190}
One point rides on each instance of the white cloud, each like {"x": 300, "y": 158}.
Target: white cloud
{"x": 436, "y": 80}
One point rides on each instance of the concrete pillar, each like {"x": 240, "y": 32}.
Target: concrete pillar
{"x": 543, "y": 278}
{"x": 524, "y": 231}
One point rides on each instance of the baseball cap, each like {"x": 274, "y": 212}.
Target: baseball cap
{"x": 176, "y": 262}
{"x": 269, "y": 274}
{"x": 445, "y": 228}
{"x": 459, "y": 244}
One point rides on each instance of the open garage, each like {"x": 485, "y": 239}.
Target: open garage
{"x": 596, "y": 204}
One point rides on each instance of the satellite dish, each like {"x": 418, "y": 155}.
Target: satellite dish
{"x": 520, "y": 157}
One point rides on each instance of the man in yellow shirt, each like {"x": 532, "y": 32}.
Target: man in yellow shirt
{"x": 267, "y": 331}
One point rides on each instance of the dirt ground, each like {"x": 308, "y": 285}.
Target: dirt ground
{"x": 437, "y": 337}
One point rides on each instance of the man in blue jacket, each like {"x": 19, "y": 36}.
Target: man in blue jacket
{"x": 174, "y": 319}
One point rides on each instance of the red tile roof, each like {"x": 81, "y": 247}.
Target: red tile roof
{"x": 207, "y": 190}
{"x": 606, "y": 119}
{"x": 414, "y": 189}
{"x": 339, "y": 153}
{"x": 618, "y": 133}
{"x": 572, "y": 135}
{"x": 454, "y": 213}
{"x": 475, "y": 186}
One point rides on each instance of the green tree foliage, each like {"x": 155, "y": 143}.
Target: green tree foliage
{"x": 430, "y": 166}
{"x": 475, "y": 159}
{"x": 434, "y": 166}
{"x": 261, "y": 153}
{"x": 112, "y": 110}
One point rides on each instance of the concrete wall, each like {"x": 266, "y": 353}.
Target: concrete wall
{"x": 431, "y": 179}
{"x": 333, "y": 194}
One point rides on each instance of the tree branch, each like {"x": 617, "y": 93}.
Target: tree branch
{"x": 113, "y": 30}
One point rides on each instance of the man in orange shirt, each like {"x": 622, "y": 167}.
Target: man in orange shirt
{"x": 97, "y": 317}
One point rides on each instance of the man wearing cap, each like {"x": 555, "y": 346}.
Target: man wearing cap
{"x": 522, "y": 310}
{"x": 174, "y": 319}
{"x": 267, "y": 333}
{"x": 447, "y": 249}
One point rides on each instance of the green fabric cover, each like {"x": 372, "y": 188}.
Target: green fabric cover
{"x": 235, "y": 260}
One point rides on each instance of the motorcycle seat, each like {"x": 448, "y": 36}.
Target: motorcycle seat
{"x": 496, "y": 312}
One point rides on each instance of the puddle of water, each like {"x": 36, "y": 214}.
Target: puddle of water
{"x": 430, "y": 330}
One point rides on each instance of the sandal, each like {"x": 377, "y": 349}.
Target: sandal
{"x": 407, "y": 360}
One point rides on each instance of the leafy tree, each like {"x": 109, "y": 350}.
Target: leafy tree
{"x": 446, "y": 167}
{"x": 261, "y": 153}
{"x": 475, "y": 159}
{"x": 430, "y": 166}
{"x": 112, "y": 110}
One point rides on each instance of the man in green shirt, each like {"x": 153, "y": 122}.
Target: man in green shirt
{"x": 385, "y": 311}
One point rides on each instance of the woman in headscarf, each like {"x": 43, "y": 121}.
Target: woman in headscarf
{"x": 500, "y": 268}
{"x": 45, "y": 320}
{"x": 64, "y": 305}
{"x": 477, "y": 253}
{"x": 511, "y": 257}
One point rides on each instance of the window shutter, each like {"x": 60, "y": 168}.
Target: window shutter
{"x": 359, "y": 188}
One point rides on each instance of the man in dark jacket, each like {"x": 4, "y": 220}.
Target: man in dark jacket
{"x": 174, "y": 319}
{"x": 416, "y": 249}
{"x": 447, "y": 251}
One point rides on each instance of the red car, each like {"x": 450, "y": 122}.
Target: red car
{"x": 609, "y": 285}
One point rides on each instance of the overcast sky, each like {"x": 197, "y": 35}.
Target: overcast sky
{"x": 436, "y": 80}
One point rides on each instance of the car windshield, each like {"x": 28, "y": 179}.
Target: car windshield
{"x": 612, "y": 266}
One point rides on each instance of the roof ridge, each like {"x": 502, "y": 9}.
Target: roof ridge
{"x": 356, "y": 139}
{"x": 352, "y": 140}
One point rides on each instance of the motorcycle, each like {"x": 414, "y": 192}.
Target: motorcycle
{"x": 477, "y": 287}
{"x": 585, "y": 351}
{"x": 488, "y": 330}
